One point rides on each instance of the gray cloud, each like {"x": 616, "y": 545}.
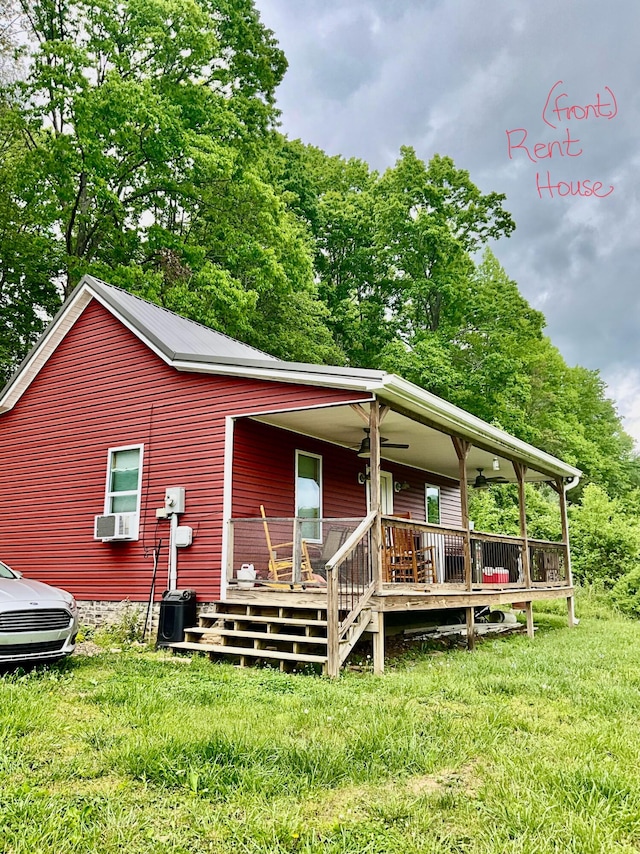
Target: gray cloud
{"x": 367, "y": 76}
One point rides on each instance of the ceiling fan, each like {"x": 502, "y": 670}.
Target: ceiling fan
{"x": 482, "y": 482}
{"x": 364, "y": 449}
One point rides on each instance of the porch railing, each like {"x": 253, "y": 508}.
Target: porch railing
{"x": 350, "y": 585}
{"x": 496, "y": 559}
{"x": 322, "y": 538}
{"x": 548, "y": 563}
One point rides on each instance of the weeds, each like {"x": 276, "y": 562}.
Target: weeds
{"x": 126, "y": 630}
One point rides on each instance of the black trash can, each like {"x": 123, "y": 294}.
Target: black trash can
{"x": 177, "y": 612}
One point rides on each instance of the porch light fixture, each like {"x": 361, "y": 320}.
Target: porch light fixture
{"x": 496, "y": 464}
{"x": 398, "y": 487}
{"x": 364, "y": 476}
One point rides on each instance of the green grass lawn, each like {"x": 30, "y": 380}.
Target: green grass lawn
{"x": 518, "y": 747}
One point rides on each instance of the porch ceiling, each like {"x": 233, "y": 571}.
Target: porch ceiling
{"x": 429, "y": 449}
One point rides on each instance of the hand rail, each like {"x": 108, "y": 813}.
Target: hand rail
{"x": 350, "y": 543}
{"x": 336, "y": 630}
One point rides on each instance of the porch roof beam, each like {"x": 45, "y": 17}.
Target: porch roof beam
{"x": 453, "y": 421}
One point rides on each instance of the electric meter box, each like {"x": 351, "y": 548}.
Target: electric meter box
{"x": 174, "y": 499}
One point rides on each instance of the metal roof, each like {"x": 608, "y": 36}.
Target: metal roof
{"x": 171, "y": 333}
{"x": 190, "y": 346}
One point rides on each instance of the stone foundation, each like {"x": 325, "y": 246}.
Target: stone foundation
{"x": 97, "y": 613}
{"x": 103, "y": 613}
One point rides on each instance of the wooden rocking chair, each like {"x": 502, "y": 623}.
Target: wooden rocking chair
{"x": 406, "y": 561}
{"x": 281, "y": 568}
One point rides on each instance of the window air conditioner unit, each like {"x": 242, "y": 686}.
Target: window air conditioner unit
{"x": 115, "y": 526}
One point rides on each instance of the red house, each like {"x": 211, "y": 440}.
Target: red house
{"x": 134, "y": 439}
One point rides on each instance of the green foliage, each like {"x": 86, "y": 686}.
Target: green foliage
{"x": 605, "y": 539}
{"x": 496, "y": 510}
{"x": 626, "y": 593}
{"x": 127, "y": 629}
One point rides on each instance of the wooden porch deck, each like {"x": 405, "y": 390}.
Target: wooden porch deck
{"x": 402, "y": 597}
{"x": 318, "y": 613}
{"x": 291, "y": 627}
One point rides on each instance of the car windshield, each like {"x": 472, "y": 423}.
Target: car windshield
{"x": 5, "y": 572}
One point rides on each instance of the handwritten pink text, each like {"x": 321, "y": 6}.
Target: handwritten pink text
{"x": 599, "y": 110}
{"x": 559, "y": 108}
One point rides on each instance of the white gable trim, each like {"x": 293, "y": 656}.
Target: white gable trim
{"x": 45, "y": 347}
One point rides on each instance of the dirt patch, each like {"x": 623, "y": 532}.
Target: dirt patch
{"x": 88, "y": 648}
{"x": 464, "y": 778}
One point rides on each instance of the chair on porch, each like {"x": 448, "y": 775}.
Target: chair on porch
{"x": 405, "y": 560}
{"x": 281, "y": 568}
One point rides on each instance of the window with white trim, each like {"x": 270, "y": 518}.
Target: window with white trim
{"x": 124, "y": 480}
{"x": 432, "y": 504}
{"x": 309, "y": 495}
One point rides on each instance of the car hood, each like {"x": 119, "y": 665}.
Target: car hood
{"x": 16, "y": 590}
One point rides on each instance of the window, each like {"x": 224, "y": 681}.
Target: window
{"x": 309, "y": 494}
{"x": 124, "y": 479}
{"x": 432, "y": 504}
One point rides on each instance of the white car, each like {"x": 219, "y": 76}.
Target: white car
{"x": 37, "y": 622}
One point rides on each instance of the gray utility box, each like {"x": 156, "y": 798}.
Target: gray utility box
{"x": 177, "y": 613}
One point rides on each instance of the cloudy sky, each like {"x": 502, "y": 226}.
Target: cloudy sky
{"x": 531, "y": 98}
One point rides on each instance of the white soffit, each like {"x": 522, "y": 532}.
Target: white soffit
{"x": 429, "y": 449}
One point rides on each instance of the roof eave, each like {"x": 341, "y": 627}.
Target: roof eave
{"x": 288, "y": 372}
{"x": 459, "y": 422}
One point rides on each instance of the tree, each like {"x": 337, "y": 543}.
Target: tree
{"x": 605, "y": 540}
{"x": 429, "y": 218}
{"x": 29, "y": 260}
{"x": 335, "y": 200}
{"x": 121, "y": 102}
{"x": 141, "y": 132}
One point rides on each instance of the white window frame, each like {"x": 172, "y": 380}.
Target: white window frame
{"x": 428, "y": 486}
{"x": 109, "y": 494}
{"x": 295, "y": 474}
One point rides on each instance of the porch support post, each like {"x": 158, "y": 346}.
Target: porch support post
{"x": 378, "y": 646}
{"x": 230, "y": 547}
{"x": 296, "y": 575}
{"x": 471, "y": 631}
{"x": 462, "y": 448}
{"x": 333, "y": 626}
{"x": 376, "y": 531}
{"x": 564, "y": 520}
{"x": 520, "y": 472}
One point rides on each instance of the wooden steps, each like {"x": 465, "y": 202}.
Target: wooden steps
{"x": 260, "y": 618}
{"x": 248, "y": 633}
{"x": 208, "y": 634}
{"x": 247, "y": 653}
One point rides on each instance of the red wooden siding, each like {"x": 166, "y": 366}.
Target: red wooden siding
{"x": 264, "y": 472}
{"x": 412, "y": 500}
{"x": 103, "y": 388}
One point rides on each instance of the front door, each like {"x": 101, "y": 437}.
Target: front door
{"x": 386, "y": 493}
